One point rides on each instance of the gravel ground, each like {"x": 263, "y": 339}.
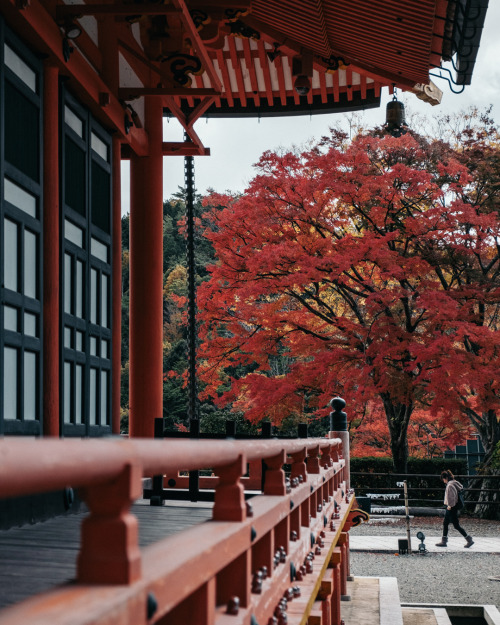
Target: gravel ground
{"x": 442, "y": 578}
{"x": 429, "y": 525}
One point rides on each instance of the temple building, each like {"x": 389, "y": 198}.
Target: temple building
{"x": 85, "y": 85}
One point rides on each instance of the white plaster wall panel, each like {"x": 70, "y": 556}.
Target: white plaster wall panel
{"x": 88, "y": 23}
{"x": 274, "y": 77}
{"x": 260, "y": 76}
{"x": 232, "y": 75}
{"x": 128, "y": 78}
{"x": 246, "y": 77}
{"x": 206, "y": 80}
{"x": 218, "y": 71}
{"x": 287, "y": 71}
{"x": 136, "y": 32}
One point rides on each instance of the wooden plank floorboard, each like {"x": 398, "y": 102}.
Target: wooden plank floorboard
{"x": 35, "y": 558}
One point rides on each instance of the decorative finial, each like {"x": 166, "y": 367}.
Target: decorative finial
{"x": 338, "y": 418}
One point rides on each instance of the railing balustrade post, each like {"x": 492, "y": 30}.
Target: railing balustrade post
{"x": 338, "y": 426}
{"x": 229, "y": 502}
{"x": 342, "y": 542}
{"x": 109, "y": 551}
{"x": 326, "y": 456}
{"x": 275, "y": 476}
{"x": 299, "y": 469}
{"x": 313, "y": 460}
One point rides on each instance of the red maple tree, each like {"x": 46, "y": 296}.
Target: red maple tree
{"x": 367, "y": 269}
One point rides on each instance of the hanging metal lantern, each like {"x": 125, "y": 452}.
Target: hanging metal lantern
{"x": 395, "y": 114}
{"x": 395, "y": 121}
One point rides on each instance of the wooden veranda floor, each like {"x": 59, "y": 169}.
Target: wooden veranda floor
{"x": 34, "y": 558}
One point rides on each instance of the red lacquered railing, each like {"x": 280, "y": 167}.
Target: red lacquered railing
{"x": 291, "y": 540}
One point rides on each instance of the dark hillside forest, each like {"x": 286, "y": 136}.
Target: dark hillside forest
{"x": 174, "y": 326}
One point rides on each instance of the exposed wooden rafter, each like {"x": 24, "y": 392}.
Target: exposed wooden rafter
{"x": 237, "y": 57}
{"x": 290, "y": 46}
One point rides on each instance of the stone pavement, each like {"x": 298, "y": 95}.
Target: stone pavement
{"x": 389, "y": 544}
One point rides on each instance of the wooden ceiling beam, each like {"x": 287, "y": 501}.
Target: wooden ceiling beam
{"x": 120, "y": 9}
{"x": 131, "y": 93}
{"x": 179, "y": 114}
{"x": 218, "y": 4}
{"x": 205, "y": 104}
{"x": 184, "y": 148}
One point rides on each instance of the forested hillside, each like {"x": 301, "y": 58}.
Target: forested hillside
{"x": 174, "y": 318}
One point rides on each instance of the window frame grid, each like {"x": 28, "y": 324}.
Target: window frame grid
{"x": 89, "y": 329}
{"x": 17, "y": 299}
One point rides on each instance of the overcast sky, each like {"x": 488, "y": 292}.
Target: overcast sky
{"x": 236, "y": 144}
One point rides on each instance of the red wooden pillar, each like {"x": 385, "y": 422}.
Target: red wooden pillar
{"x": 146, "y": 279}
{"x": 117, "y": 287}
{"x": 51, "y": 251}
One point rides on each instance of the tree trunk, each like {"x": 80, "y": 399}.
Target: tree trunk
{"x": 488, "y": 506}
{"x": 398, "y": 418}
{"x": 489, "y": 432}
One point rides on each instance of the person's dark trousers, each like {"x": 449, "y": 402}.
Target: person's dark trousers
{"x": 451, "y": 516}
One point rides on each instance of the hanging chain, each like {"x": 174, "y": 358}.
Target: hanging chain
{"x": 190, "y": 247}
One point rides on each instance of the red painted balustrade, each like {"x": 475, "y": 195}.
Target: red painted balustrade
{"x": 282, "y": 557}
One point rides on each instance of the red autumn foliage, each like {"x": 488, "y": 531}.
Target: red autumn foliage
{"x": 368, "y": 270}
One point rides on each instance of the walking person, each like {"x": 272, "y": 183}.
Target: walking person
{"x": 452, "y": 503}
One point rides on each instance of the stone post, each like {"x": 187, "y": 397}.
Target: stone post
{"x": 338, "y": 429}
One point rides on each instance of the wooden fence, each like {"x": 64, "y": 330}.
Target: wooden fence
{"x": 283, "y": 557}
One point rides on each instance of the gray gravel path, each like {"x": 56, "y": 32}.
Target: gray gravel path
{"x": 435, "y": 578}
{"x": 442, "y": 578}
